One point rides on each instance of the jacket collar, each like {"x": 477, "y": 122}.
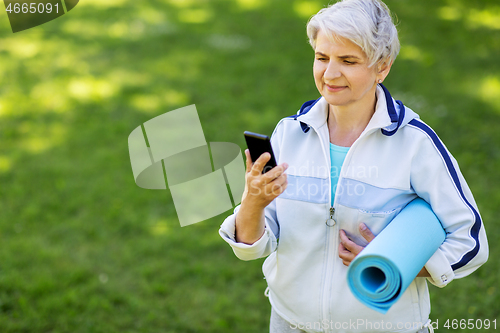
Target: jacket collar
{"x": 389, "y": 114}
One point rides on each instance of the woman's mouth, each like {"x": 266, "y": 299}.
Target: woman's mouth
{"x": 333, "y": 88}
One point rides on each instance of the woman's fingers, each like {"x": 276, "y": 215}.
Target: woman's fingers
{"x": 274, "y": 173}
{"x": 346, "y": 255}
{"x": 277, "y": 186}
{"x": 259, "y": 164}
{"x": 248, "y": 160}
{"x": 261, "y": 188}
{"x": 276, "y": 179}
{"x": 365, "y": 232}
{"x": 349, "y": 244}
{"x": 348, "y": 250}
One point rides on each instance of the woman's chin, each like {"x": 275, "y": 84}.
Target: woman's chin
{"x": 335, "y": 100}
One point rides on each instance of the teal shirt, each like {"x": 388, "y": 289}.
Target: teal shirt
{"x": 337, "y": 157}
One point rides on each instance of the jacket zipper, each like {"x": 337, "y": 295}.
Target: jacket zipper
{"x": 325, "y": 302}
{"x": 331, "y": 232}
{"x": 331, "y": 241}
{"x": 331, "y": 221}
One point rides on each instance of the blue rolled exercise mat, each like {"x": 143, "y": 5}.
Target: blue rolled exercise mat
{"x": 380, "y": 274}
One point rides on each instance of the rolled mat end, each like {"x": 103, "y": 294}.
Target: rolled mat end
{"x": 381, "y": 273}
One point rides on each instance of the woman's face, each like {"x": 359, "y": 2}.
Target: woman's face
{"x": 341, "y": 72}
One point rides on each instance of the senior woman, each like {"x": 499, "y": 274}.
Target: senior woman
{"x": 353, "y": 159}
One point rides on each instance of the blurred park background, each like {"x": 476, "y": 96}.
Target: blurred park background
{"x": 83, "y": 249}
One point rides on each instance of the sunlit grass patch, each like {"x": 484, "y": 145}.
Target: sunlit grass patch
{"x": 487, "y": 18}
{"x": 449, "y": 13}
{"x": 91, "y": 89}
{"x": 5, "y": 164}
{"x": 105, "y": 4}
{"x": 474, "y": 18}
{"x": 39, "y": 138}
{"x": 147, "y": 103}
{"x": 250, "y": 4}
{"x": 160, "y": 228}
{"x": 199, "y": 15}
{"x": 22, "y": 48}
{"x": 490, "y": 91}
{"x": 306, "y": 8}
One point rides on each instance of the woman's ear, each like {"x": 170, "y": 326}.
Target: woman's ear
{"x": 383, "y": 70}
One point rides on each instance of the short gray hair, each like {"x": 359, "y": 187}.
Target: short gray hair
{"x": 367, "y": 23}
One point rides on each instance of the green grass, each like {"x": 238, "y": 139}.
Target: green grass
{"x": 83, "y": 249}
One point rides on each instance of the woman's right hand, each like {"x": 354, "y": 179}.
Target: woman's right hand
{"x": 261, "y": 189}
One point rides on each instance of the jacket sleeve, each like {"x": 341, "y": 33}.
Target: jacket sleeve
{"x": 436, "y": 177}
{"x": 263, "y": 247}
{"x": 268, "y": 242}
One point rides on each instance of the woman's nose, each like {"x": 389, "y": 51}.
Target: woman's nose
{"x": 332, "y": 71}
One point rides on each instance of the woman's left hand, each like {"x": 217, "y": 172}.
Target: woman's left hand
{"x": 348, "y": 250}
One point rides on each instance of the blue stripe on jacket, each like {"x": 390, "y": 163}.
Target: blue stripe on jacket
{"x": 451, "y": 169}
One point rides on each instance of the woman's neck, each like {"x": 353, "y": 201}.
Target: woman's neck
{"x": 346, "y": 123}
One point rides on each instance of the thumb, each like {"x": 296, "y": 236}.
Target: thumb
{"x": 365, "y": 232}
{"x": 248, "y": 160}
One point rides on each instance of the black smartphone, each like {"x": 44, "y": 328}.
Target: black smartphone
{"x": 258, "y": 144}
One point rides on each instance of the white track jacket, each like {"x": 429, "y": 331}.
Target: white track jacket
{"x": 396, "y": 159}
